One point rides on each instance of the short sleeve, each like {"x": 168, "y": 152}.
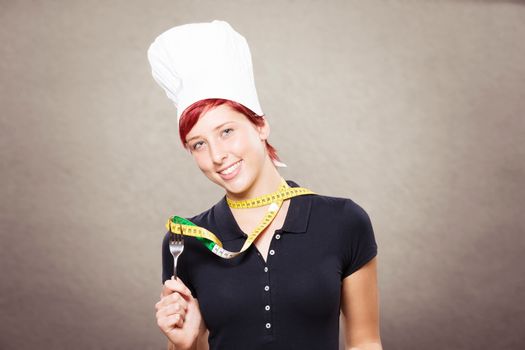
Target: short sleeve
{"x": 360, "y": 244}
{"x": 182, "y": 266}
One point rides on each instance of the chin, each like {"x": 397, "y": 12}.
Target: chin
{"x": 236, "y": 186}
{"x": 239, "y": 184}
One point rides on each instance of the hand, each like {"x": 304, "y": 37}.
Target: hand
{"x": 178, "y": 314}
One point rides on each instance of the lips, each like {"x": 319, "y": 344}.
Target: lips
{"x": 229, "y": 168}
{"x": 231, "y": 171}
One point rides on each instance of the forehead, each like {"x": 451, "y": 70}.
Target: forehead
{"x": 214, "y": 118}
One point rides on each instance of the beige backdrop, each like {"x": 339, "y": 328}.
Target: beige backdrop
{"x": 414, "y": 109}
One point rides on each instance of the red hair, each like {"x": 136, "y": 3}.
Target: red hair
{"x": 191, "y": 115}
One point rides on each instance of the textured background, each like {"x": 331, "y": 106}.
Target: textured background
{"x": 414, "y": 109}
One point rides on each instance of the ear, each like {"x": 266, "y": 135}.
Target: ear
{"x": 264, "y": 131}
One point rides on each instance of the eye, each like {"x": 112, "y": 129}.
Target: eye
{"x": 196, "y": 145}
{"x": 227, "y": 129}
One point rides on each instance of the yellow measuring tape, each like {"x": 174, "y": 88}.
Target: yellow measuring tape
{"x": 179, "y": 225}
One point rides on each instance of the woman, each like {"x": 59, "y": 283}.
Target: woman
{"x": 315, "y": 258}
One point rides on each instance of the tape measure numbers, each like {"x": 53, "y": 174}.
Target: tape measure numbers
{"x": 180, "y": 225}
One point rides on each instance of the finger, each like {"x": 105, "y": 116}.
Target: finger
{"x": 164, "y": 323}
{"x": 169, "y": 312}
{"x": 173, "y": 298}
{"x": 171, "y": 309}
{"x": 163, "y": 302}
{"x": 177, "y": 298}
{"x": 177, "y": 286}
{"x": 180, "y": 321}
{"x": 174, "y": 321}
{"x": 176, "y": 308}
{"x": 168, "y": 323}
{"x": 165, "y": 290}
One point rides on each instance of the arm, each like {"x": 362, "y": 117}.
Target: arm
{"x": 202, "y": 340}
{"x": 360, "y": 308}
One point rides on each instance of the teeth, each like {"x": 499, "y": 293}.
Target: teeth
{"x": 231, "y": 169}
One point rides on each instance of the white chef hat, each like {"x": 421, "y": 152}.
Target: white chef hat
{"x": 196, "y": 61}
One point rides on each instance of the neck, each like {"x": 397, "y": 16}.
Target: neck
{"x": 267, "y": 181}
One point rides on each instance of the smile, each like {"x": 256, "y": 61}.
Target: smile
{"x": 230, "y": 169}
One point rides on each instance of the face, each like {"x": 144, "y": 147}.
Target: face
{"x": 228, "y": 148}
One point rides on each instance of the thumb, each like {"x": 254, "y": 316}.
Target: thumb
{"x": 165, "y": 290}
{"x": 177, "y": 285}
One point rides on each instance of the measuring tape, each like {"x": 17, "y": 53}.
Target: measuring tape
{"x": 182, "y": 226}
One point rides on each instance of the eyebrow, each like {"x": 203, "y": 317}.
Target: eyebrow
{"x": 217, "y": 127}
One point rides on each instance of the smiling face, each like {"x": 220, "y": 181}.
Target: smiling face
{"x": 229, "y": 149}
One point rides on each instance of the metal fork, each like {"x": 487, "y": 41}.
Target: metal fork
{"x": 176, "y": 248}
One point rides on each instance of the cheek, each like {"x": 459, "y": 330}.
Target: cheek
{"x": 201, "y": 161}
{"x": 248, "y": 143}
{"x": 258, "y": 147}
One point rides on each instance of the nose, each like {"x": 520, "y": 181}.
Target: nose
{"x": 217, "y": 154}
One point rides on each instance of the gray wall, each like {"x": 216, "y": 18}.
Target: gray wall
{"x": 414, "y": 109}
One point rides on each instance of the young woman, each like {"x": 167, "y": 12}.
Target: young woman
{"x": 314, "y": 259}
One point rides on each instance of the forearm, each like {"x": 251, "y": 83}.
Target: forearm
{"x": 171, "y": 346}
{"x": 366, "y": 346}
{"x": 202, "y": 343}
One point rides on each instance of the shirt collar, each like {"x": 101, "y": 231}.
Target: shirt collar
{"x": 296, "y": 218}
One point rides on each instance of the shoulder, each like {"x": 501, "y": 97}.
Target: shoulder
{"x": 337, "y": 212}
{"x": 343, "y": 216}
{"x": 344, "y": 208}
{"x": 350, "y": 228}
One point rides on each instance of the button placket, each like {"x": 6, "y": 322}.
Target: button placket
{"x": 267, "y": 290}
{"x": 272, "y": 249}
{"x": 267, "y": 306}
{"x": 267, "y": 286}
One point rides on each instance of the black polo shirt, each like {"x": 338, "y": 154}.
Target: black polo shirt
{"x": 291, "y": 301}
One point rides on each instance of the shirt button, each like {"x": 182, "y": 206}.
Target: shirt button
{"x": 268, "y": 325}
{"x": 266, "y": 288}
{"x": 272, "y": 252}
{"x": 267, "y": 307}
{"x": 277, "y": 236}
{"x": 265, "y": 269}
